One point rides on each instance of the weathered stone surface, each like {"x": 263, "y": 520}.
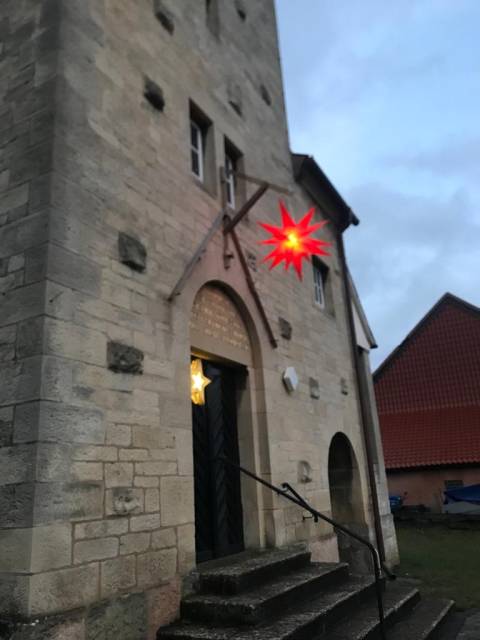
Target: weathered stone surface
{"x": 117, "y": 575}
{"x": 6, "y": 426}
{"x": 30, "y": 338}
{"x": 64, "y": 589}
{"x": 101, "y": 529}
{"x": 15, "y": 545}
{"x": 156, "y": 567}
{"x": 86, "y": 471}
{"x": 163, "y": 604}
{"x": 152, "y": 500}
{"x": 164, "y": 538}
{"x": 120, "y": 619}
{"x": 176, "y": 501}
{"x": 145, "y": 522}
{"x": 266, "y": 97}
{"x": 61, "y": 627}
{"x": 89, "y": 550}
{"x": 17, "y": 464}
{"x": 24, "y": 234}
{"x": 152, "y": 437}
{"x": 314, "y": 386}
{"x": 124, "y": 359}
{"x": 16, "y": 505}
{"x": 20, "y": 381}
{"x": 68, "y": 501}
{"x": 154, "y": 95}
{"x": 53, "y": 462}
{"x": 51, "y": 547}
{"x": 134, "y": 543}
{"x": 234, "y": 96}
{"x": 119, "y": 474}
{"x": 22, "y": 303}
{"x": 123, "y": 501}
{"x": 73, "y": 271}
{"x": 164, "y": 16}
{"x": 285, "y": 328}
{"x": 132, "y": 252}
{"x": 13, "y": 595}
{"x": 186, "y": 548}
{"x": 241, "y": 9}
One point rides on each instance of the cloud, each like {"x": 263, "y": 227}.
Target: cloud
{"x": 460, "y": 158}
{"x": 407, "y": 252}
{"x": 386, "y": 97}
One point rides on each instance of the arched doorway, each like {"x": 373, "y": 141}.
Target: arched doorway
{"x": 346, "y": 501}
{"x": 222, "y": 425}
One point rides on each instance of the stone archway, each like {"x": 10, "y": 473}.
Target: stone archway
{"x": 346, "y": 501}
{"x": 221, "y": 335}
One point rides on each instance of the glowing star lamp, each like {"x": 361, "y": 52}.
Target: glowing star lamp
{"x": 294, "y": 241}
{"x": 198, "y": 382}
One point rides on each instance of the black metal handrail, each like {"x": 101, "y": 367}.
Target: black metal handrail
{"x": 288, "y": 492}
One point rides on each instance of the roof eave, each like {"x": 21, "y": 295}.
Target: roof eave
{"x": 310, "y": 175}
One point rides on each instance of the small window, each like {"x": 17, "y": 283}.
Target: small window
{"x": 235, "y": 195}
{"x": 196, "y": 149}
{"x": 320, "y": 274}
{"x": 230, "y": 180}
{"x": 202, "y": 149}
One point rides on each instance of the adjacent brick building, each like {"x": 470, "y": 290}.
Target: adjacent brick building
{"x": 116, "y": 118}
{"x": 428, "y": 398}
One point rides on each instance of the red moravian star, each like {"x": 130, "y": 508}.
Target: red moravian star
{"x": 294, "y": 241}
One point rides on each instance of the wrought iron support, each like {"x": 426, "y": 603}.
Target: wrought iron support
{"x": 229, "y": 228}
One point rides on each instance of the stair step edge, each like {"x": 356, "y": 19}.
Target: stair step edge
{"x": 365, "y": 624}
{"x": 425, "y": 620}
{"x": 233, "y": 578}
{"x": 316, "y": 613}
{"x": 260, "y": 602}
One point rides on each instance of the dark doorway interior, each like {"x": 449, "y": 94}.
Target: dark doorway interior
{"x": 218, "y": 502}
{"x": 345, "y": 499}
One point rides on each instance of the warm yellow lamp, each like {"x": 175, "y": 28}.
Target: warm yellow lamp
{"x": 198, "y": 382}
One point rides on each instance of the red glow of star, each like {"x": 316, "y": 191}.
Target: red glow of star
{"x": 293, "y": 241}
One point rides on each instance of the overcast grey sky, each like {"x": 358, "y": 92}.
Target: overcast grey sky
{"x": 386, "y": 95}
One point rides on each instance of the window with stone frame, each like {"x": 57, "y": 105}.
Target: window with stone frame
{"x": 320, "y": 275}
{"x": 196, "y": 149}
{"x": 202, "y": 149}
{"x": 322, "y": 286}
{"x": 235, "y": 189}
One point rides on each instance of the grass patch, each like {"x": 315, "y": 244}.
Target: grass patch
{"x": 446, "y": 560}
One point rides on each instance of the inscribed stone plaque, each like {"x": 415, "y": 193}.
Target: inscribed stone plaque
{"x": 217, "y": 326}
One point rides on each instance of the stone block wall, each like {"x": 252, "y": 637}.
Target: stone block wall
{"x": 28, "y": 62}
{"x": 96, "y": 473}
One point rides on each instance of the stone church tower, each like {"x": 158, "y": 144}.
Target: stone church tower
{"x": 116, "y": 119}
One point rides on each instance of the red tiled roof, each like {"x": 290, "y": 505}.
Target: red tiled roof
{"x": 433, "y": 437}
{"x": 428, "y": 390}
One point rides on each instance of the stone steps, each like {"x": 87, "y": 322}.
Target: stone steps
{"x": 261, "y": 602}
{"x": 399, "y": 600}
{"x": 425, "y": 621}
{"x": 281, "y": 595}
{"x": 249, "y": 569}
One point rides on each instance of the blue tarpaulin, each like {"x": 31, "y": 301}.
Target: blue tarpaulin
{"x": 464, "y": 494}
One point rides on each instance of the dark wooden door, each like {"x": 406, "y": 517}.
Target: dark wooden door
{"x": 218, "y": 503}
